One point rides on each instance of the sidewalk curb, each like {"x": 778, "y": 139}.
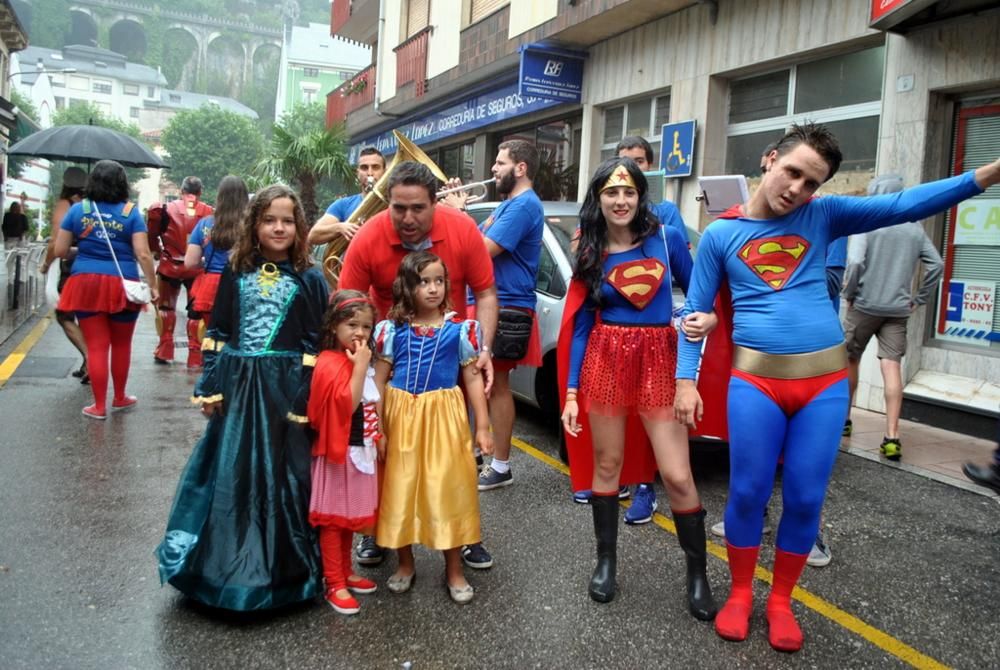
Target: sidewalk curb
{"x": 926, "y": 474}
{"x": 13, "y": 360}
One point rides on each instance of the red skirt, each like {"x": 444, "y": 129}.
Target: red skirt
{"x": 630, "y": 370}
{"x": 95, "y": 293}
{"x": 203, "y": 291}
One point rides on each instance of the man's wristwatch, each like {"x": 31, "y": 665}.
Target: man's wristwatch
{"x": 486, "y": 348}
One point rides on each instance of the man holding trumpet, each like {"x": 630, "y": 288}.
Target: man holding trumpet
{"x": 371, "y": 166}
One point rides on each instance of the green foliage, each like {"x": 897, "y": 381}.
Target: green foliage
{"x": 303, "y": 152}
{"x": 16, "y": 164}
{"x": 210, "y": 143}
{"x": 49, "y": 23}
{"x": 88, "y": 114}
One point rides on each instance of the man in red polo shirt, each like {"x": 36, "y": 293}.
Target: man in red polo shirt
{"x": 413, "y": 222}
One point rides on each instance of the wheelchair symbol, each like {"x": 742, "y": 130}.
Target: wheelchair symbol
{"x": 675, "y": 159}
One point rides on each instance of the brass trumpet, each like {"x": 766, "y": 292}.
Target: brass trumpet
{"x": 374, "y": 202}
{"x": 469, "y": 187}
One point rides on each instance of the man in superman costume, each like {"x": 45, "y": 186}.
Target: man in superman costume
{"x": 170, "y": 226}
{"x": 617, "y": 346}
{"x": 788, "y": 391}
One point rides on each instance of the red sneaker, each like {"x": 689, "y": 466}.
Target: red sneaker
{"x": 91, "y": 412}
{"x": 348, "y": 605}
{"x": 361, "y": 585}
{"x": 124, "y": 403}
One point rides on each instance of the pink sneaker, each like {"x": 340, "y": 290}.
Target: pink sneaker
{"x": 124, "y": 403}
{"x": 90, "y": 411}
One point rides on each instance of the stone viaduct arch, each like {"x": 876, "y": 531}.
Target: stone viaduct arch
{"x": 199, "y": 52}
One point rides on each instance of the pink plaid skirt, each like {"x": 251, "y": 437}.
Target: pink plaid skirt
{"x": 343, "y": 496}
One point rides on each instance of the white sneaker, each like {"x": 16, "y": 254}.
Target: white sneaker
{"x": 819, "y": 555}
{"x": 719, "y": 529}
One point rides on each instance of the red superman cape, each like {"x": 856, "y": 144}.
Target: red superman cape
{"x": 331, "y": 406}
{"x": 639, "y": 464}
{"x": 717, "y": 361}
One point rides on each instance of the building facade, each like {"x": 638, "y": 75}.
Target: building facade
{"x": 313, "y": 63}
{"x": 908, "y": 86}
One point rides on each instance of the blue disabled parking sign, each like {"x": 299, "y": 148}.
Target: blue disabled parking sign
{"x": 677, "y": 149}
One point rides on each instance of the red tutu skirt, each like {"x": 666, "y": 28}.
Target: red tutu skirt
{"x": 94, "y": 293}
{"x": 203, "y": 291}
{"x": 629, "y": 370}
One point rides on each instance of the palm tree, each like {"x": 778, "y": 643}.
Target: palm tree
{"x": 303, "y": 151}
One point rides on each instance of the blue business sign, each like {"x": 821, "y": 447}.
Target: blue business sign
{"x": 475, "y": 112}
{"x": 677, "y": 149}
{"x": 554, "y": 74}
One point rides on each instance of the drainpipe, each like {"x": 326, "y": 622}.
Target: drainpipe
{"x": 378, "y": 66}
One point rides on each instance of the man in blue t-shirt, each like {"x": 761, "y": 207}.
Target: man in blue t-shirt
{"x": 639, "y": 150}
{"x": 371, "y": 166}
{"x": 513, "y": 234}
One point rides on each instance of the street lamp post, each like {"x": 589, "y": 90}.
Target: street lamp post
{"x": 65, "y": 70}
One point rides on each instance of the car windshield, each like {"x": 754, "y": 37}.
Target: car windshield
{"x": 564, "y": 227}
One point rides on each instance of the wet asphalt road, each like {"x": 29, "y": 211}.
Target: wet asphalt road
{"x": 915, "y": 577}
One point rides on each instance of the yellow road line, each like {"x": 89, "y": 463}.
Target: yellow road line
{"x": 16, "y": 357}
{"x": 877, "y": 637}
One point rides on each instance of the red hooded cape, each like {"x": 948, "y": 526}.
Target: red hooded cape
{"x": 331, "y": 406}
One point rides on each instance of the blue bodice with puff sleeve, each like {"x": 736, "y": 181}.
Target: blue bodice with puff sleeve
{"x": 427, "y": 358}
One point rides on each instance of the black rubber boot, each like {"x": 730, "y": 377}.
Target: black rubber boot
{"x": 984, "y": 475}
{"x": 691, "y": 534}
{"x": 602, "y": 583}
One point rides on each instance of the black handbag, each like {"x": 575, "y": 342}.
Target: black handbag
{"x": 513, "y": 333}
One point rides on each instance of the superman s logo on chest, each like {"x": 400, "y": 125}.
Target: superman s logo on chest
{"x": 775, "y": 259}
{"x": 637, "y": 281}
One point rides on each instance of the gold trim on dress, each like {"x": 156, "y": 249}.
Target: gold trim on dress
{"x": 297, "y": 418}
{"x": 210, "y": 344}
{"x": 470, "y": 359}
{"x": 790, "y": 366}
{"x": 201, "y": 400}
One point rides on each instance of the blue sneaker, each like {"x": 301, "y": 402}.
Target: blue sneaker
{"x": 643, "y": 506}
{"x": 583, "y": 497}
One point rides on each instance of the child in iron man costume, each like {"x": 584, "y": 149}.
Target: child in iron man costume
{"x": 170, "y": 226}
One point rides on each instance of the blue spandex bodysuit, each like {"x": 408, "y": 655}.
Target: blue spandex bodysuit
{"x": 775, "y": 269}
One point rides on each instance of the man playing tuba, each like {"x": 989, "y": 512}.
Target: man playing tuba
{"x": 334, "y": 222}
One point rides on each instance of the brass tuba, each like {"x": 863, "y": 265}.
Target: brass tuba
{"x": 373, "y": 203}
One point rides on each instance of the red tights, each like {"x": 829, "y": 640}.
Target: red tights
{"x": 335, "y": 547}
{"x": 103, "y": 333}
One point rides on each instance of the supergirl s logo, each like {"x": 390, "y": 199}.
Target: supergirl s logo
{"x": 775, "y": 259}
{"x": 637, "y": 281}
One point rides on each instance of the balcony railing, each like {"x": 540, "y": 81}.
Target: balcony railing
{"x": 356, "y": 92}
{"x": 411, "y": 62}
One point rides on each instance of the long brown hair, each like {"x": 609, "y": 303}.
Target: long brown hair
{"x": 230, "y": 211}
{"x": 246, "y": 250}
{"x": 337, "y": 311}
{"x": 404, "y": 307}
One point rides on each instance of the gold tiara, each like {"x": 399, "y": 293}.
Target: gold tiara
{"x": 620, "y": 177}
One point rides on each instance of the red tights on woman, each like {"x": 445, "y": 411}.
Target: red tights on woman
{"x": 104, "y": 333}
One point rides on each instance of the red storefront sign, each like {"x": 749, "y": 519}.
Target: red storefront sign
{"x": 882, "y": 7}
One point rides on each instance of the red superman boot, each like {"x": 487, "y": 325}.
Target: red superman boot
{"x": 784, "y": 633}
{"x": 733, "y": 620}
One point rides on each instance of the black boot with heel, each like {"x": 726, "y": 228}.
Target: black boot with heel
{"x": 602, "y": 583}
{"x": 691, "y": 535}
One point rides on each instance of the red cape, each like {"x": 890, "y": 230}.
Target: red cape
{"x": 717, "y": 361}
{"x": 331, "y": 406}
{"x": 639, "y": 464}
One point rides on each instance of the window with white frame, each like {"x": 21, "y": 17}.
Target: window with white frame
{"x": 130, "y": 89}
{"x": 133, "y": 112}
{"x": 79, "y": 83}
{"x": 310, "y": 92}
{"x": 843, "y": 92}
{"x": 644, "y": 117}
{"x": 102, "y": 86}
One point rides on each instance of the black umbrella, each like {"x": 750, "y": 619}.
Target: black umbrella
{"x": 86, "y": 144}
